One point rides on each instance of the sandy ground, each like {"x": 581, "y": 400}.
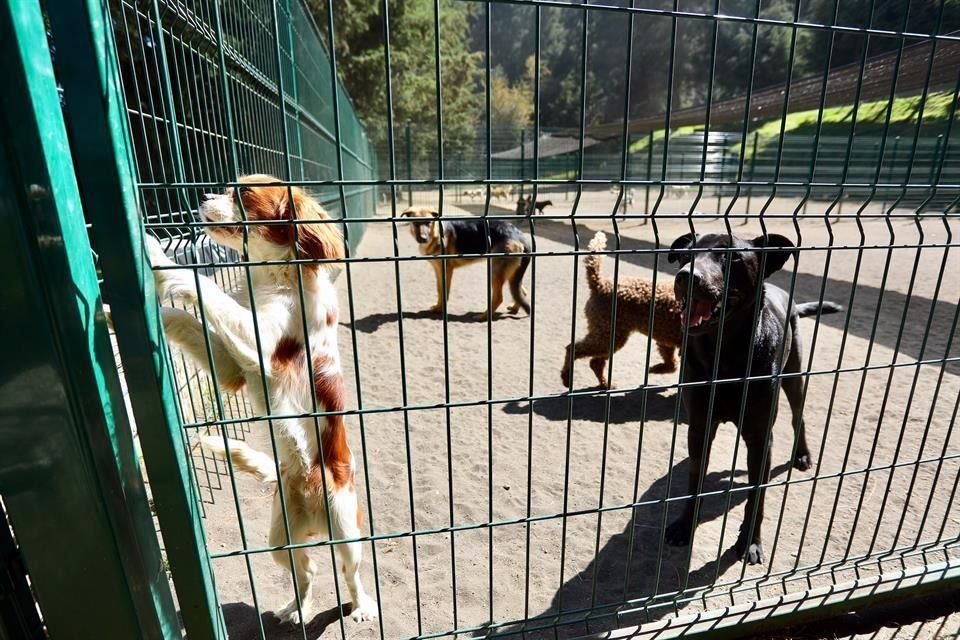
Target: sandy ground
{"x": 877, "y": 433}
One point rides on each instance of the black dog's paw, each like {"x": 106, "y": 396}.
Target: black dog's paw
{"x": 679, "y": 533}
{"x": 802, "y": 462}
{"x": 752, "y": 552}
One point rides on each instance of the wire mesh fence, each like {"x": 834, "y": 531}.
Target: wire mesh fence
{"x": 502, "y": 492}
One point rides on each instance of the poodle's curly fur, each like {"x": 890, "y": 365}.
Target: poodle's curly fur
{"x": 633, "y": 314}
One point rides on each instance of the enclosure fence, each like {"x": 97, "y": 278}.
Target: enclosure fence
{"x": 498, "y": 496}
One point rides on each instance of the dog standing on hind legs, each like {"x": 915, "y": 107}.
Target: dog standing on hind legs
{"x": 316, "y": 467}
{"x": 467, "y": 241}
{"x": 634, "y": 296}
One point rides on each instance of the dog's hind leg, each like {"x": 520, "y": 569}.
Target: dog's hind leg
{"x": 519, "y": 295}
{"x": 344, "y": 520}
{"x": 793, "y": 387}
{"x": 596, "y": 346}
{"x": 599, "y": 368}
{"x": 497, "y": 280}
{"x": 517, "y": 270}
{"x": 303, "y": 567}
{"x": 669, "y": 364}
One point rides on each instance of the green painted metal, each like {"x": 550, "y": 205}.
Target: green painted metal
{"x": 67, "y": 460}
{"x": 103, "y": 160}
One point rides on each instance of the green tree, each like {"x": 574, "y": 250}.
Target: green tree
{"x": 361, "y": 59}
{"x": 511, "y": 106}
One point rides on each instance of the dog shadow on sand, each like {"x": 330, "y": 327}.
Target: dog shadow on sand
{"x": 372, "y": 322}
{"x": 637, "y": 568}
{"x": 242, "y": 621}
{"x": 633, "y": 567}
{"x": 624, "y": 407}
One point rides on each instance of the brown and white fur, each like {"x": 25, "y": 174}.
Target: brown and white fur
{"x": 313, "y": 455}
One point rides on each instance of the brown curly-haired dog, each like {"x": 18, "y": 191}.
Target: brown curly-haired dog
{"x": 633, "y": 314}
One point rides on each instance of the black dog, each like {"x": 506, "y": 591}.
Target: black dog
{"x": 527, "y": 205}
{"x": 707, "y": 261}
{"x": 542, "y": 204}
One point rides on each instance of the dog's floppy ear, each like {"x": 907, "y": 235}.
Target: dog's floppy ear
{"x": 678, "y": 250}
{"x": 321, "y": 241}
{"x": 775, "y": 259}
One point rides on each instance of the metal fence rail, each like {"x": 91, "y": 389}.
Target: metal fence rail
{"x": 496, "y": 500}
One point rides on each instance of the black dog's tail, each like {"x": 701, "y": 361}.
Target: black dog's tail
{"x": 806, "y": 309}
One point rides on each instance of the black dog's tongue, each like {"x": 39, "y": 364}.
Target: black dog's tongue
{"x": 700, "y": 312}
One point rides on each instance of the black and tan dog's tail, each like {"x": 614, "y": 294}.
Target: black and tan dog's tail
{"x": 807, "y": 309}
{"x": 594, "y": 264}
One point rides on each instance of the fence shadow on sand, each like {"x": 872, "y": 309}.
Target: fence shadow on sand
{"x": 609, "y": 579}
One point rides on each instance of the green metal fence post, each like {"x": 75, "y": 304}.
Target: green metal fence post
{"x": 723, "y": 166}
{"x": 753, "y": 172}
{"x": 68, "y": 468}
{"x": 409, "y": 167}
{"x": 102, "y": 156}
{"x": 646, "y": 198}
{"x": 893, "y": 167}
{"x": 931, "y": 176}
{"x": 523, "y": 159}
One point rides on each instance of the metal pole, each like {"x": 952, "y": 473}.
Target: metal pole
{"x": 523, "y": 159}
{"x": 409, "y": 167}
{"x": 933, "y": 162}
{"x": 626, "y": 173}
{"x": 719, "y": 190}
{"x": 753, "y": 173}
{"x": 646, "y": 198}
{"x": 893, "y": 166}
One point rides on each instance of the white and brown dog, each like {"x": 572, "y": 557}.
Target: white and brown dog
{"x": 298, "y": 374}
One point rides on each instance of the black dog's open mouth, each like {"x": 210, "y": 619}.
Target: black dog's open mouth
{"x": 699, "y": 313}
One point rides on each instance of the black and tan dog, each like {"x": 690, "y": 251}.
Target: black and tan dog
{"x": 755, "y": 311}
{"x": 468, "y": 240}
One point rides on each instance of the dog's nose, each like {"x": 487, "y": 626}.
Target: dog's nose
{"x": 204, "y": 197}
{"x": 682, "y": 280}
